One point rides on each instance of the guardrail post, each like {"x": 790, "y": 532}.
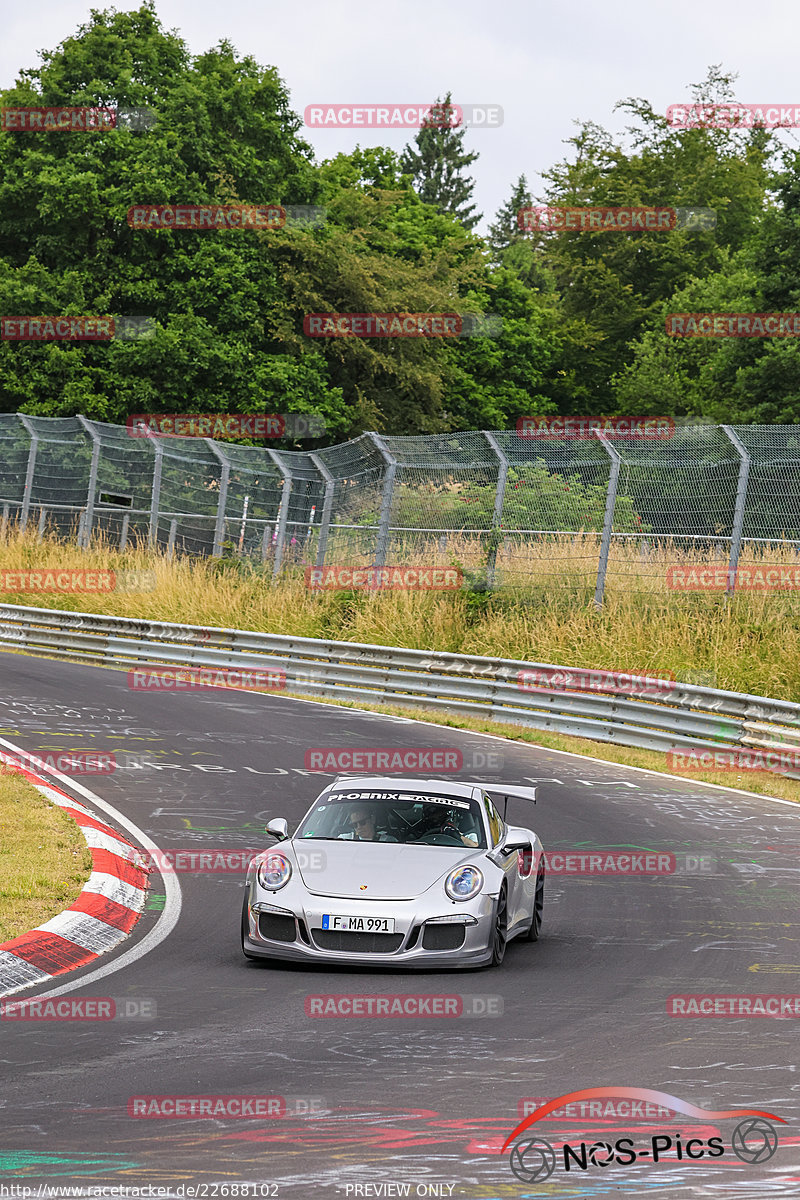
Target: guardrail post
{"x": 608, "y": 520}
{"x": 225, "y": 474}
{"x": 738, "y": 509}
{"x": 88, "y": 519}
{"x": 283, "y": 512}
{"x": 26, "y": 495}
{"x": 382, "y": 541}
{"x": 155, "y": 496}
{"x": 497, "y": 515}
{"x": 327, "y": 508}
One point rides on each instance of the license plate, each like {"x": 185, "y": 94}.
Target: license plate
{"x": 359, "y": 924}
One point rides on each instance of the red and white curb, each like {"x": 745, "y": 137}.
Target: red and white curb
{"x": 102, "y": 916}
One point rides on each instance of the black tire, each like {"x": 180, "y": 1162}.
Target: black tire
{"x": 246, "y": 931}
{"x": 500, "y": 928}
{"x": 535, "y": 930}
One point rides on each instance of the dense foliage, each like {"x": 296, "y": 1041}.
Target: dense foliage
{"x": 583, "y": 313}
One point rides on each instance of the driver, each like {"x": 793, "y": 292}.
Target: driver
{"x": 362, "y": 823}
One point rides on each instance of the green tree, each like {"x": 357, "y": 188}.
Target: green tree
{"x": 613, "y": 285}
{"x": 224, "y": 133}
{"x": 438, "y": 163}
{"x": 505, "y": 230}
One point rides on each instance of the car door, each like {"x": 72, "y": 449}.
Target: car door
{"x": 497, "y": 831}
{"x": 520, "y": 880}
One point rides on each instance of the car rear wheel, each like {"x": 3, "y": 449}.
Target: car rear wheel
{"x": 538, "y": 908}
{"x": 500, "y": 929}
{"x": 246, "y": 931}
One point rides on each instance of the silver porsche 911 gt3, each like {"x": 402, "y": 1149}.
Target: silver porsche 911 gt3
{"x": 389, "y": 871}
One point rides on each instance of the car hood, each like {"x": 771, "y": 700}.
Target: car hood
{"x": 376, "y": 870}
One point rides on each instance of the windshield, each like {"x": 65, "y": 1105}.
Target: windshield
{"x": 411, "y": 818}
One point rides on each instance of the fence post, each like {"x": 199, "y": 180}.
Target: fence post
{"x": 327, "y": 508}
{"x": 738, "y": 509}
{"x": 155, "y": 497}
{"x": 225, "y": 474}
{"x": 608, "y": 520}
{"x": 382, "y": 541}
{"x": 26, "y": 496}
{"x": 283, "y": 511}
{"x": 499, "y": 499}
{"x": 88, "y": 519}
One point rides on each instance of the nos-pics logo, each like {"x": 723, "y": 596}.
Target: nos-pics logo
{"x": 532, "y": 1160}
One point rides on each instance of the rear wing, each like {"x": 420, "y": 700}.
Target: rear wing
{"x": 508, "y": 791}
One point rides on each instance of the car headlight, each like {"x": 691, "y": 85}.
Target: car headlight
{"x": 463, "y": 883}
{"x": 274, "y": 872}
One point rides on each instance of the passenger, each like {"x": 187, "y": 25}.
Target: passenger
{"x": 451, "y": 822}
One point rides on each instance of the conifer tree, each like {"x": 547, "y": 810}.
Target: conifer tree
{"x": 438, "y": 162}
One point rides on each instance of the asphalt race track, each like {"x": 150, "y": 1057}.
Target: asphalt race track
{"x": 403, "y": 1106}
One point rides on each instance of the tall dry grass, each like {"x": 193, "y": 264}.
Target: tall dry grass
{"x": 544, "y": 611}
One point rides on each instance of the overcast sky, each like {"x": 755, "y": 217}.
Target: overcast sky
{"x": 547, "y": 64}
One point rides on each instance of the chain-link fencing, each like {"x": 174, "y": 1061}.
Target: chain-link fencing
{"x": 507, "y": 510}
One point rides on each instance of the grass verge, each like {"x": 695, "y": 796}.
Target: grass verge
{"x": 44, "y": 860}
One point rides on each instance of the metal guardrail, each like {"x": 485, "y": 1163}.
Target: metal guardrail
{"x": 687, "y": 716}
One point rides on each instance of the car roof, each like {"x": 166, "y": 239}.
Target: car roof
{"x": 404, "y": 783}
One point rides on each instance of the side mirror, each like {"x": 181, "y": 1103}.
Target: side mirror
{"x": 503, "y": 851}
{"x": 279, "y": 828}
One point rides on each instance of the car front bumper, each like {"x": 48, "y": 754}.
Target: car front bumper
{"x": 295, "y": 933}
